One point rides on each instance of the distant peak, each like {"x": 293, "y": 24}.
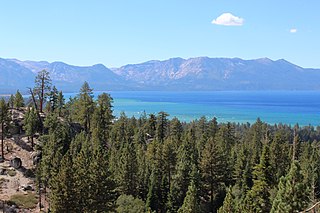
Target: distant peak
{"x": 99, "y": 66}
{"x": 265, "y": 59}
{"x": 58, "y": 62}
{"x": 282, "y": 60}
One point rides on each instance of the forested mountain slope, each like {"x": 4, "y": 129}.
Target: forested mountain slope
{"x": 93, "y": 162}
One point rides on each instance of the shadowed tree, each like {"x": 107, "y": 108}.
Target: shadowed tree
{"x": 258, "y": 198}
{"x": 60, "y": 103}
{"x": 11, "y": 101}
{"x": 191, "y": 202}
{"x": 228, "y": 203}
{"x": 5, "y": 122}
{"x": 31, "y": 123}
{"x": 162, "y": 126}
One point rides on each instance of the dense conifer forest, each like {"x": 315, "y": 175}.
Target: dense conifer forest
{"x": 94, "y": 162}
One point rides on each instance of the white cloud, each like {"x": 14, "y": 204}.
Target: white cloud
{"x": 293, "y": 30}
{"x": 227, "y": 19}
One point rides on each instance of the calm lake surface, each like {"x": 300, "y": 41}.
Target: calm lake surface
{"x": 288, "y": 107}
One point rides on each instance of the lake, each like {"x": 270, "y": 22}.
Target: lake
{"x": 289, "y": 107}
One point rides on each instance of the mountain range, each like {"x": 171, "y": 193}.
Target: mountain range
{"x": 201, "y": 73}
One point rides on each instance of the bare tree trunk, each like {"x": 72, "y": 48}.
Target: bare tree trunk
{"x": 32, "y": 143}
{"x": 40, "y": 205}
{"x": 36, "y": 106}
{"x": 42, "y": 93}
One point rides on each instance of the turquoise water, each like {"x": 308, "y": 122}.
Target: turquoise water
{"x": 289, "y": 107}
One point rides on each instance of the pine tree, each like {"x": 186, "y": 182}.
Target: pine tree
{"x": 187, "y": 157}
{"x": 62, "y": 188}
{"x": 60, "y": 103}
{"x": 296, "y": 146}
{"x": 225, "y": 139}
{"x": 212, "y": 127}
{"x": 258, "y": 198}
{"x": 176, "y": 131}
{"x": 279, "y": 149}
{"x": 292, "y": 195}
{"x": 31, "y": 124}
{"x": 162, "y": 126}
{"x": 53, "y": 99}
{"x": 212, "y": 165}
{"x": 202, "y": 133}
{"x": 102, "y": 118}
{"x": 18, "y": 100}
{"x": 129, "y": 204}
{"x": 143, "y": 172}
{"x": 85, "y": 107}
{"x": 128, "y": 170}
{"x": 54, "y": 146}
{"x": 310, "y": 166}
{"x": 11, "y": 102}
{"x": 102, "y": 187}
{"x": 5, "y": 122}
{"x": 81, "y": 167}
{"x": 42, "y": 87}
{"x": 191, "y": 201}
{"x": 151, "y": 126}
{"x": 242, "y": 175}
{"x": 257, "y": 139}
{"x": 158, "y": 187}
{"x": 154, "y": 197}
{"x": 229, "y": 205}
{"x": 169, "y": 156}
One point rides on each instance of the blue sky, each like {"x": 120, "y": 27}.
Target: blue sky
{"x": 118, "y": 32}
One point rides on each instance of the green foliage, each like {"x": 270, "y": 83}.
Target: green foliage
{"x": 129, "y": 204}
{"x": 27, "y": 201}
{"x": 102, "y": 192}
{"x": 162, "y": 125}
{"x": 258, "y": 198}
{"x": 151, "y": 125}
{"x": 212, "y": 165}
{"x": 229, "y": 205}
{"x": 154, "y": 164}
{"x": 11, "y": 101}
{"x": 31, "y": 124}
{"x": 102, "y": 118}
{"x": 18, "y": 100}
{"x": 60, "y": 103}
{"x": 53, "y": 100}
{"x": 292, "y": 194}
{"x": 190, "y": 203}
{"x": 128, "y": 170}
{"x": 279, "y": 154}
{"x": 84, "y": 107}
{"x": 186, "y": 158}
{"x": 62, "y": 188}
{"x": 4, "y": 121}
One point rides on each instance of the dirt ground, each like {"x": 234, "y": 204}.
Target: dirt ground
{"x": 13, "y": 181}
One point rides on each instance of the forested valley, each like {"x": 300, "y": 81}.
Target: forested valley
{"x": 94, "y": 162}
